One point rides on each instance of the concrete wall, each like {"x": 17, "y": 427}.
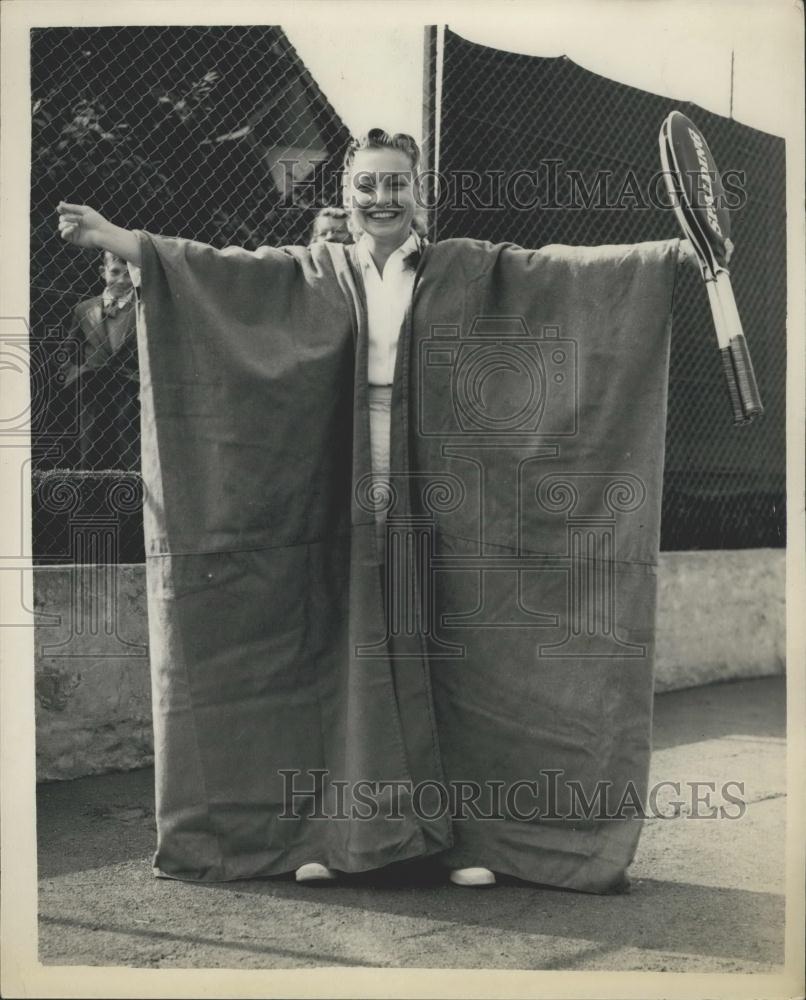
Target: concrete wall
{"x": 720, "y": 617}
{"x": 93, "y": 690}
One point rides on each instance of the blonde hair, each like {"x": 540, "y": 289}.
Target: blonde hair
{"x": 378, "y": 138}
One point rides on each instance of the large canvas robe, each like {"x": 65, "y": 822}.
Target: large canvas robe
{"x": 507, "y": 635}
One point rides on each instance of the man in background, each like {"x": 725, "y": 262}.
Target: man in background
{"x": 331, "y": 225}
{"x": 106, "y": 376}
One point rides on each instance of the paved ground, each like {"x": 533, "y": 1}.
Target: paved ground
{"x": 707, "y": 894}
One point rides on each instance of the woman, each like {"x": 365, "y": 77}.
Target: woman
{"x": 333, "y": 692}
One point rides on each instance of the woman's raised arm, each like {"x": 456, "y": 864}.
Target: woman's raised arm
{"x": 84, "y": 227}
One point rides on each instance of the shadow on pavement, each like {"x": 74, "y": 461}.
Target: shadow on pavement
{"x": 104, "y": 827}
{"x": 667, "y": 916}
{"x": 197, "y": 940}
{"x": 735, "y": 708}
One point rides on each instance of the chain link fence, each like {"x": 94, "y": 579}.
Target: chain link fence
{"x": 537, "y": 151}
{"x": 213, "y": 133}
{"x": 221, "y": 134}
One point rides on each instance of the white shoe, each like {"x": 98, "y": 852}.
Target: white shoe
{"x": 314, "y": 872}
{"x": 472, "y": 876}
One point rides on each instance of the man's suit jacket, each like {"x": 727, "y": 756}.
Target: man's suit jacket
{"x": 104, "y": 342}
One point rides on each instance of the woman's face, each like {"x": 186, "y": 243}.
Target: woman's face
{"x": 381, "y": 194}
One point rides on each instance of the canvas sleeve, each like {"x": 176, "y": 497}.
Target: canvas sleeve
{"x": 612, "y": 279}
{"x": 215, "y": 310}
{"x": 587, "y": 261}
{"x": 245, "y": 362}
{"x": 515, "y": 267}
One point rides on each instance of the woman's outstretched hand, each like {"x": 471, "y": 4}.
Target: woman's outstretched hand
{"x": 81, "y": 225}
{"x": 84, "y": 227}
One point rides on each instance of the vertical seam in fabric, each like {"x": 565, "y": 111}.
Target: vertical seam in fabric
{"x": 318, "y": 691}
{"x": 404, "y": 411}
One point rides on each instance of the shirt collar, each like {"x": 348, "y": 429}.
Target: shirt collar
{"x": 412, "y": 245}
{"x": 110, "y": 300}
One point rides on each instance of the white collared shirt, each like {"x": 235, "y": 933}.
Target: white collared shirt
{"x": 120, "y": 301}
{"x": 388, "y": 298}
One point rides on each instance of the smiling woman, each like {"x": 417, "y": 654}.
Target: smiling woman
{"x": 380, "y": 172}
{"x": 374, "y": 574}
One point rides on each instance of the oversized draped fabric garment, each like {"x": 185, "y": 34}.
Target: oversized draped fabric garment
{"x": 482, "y": 691}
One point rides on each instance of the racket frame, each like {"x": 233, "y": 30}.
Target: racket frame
{"x": 738, "y": 369}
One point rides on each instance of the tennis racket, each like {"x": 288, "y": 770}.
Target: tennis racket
{"x": 698, "y": 199}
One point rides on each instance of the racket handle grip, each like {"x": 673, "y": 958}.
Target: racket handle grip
{"x": 732, "y": 386}
{"x": 737, "y": 356}
{"x": 723, "y": 336}
{"x": 741, "y": 365}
